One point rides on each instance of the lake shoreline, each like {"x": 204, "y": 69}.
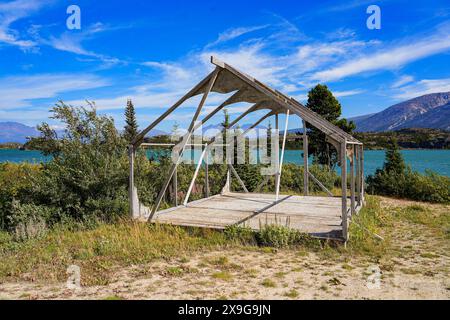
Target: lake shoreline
{"x": 437, "y": 160}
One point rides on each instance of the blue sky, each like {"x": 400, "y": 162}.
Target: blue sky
{"x": 154, "y": 51}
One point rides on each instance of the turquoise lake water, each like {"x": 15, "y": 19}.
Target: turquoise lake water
{"x": 419, "y": 160}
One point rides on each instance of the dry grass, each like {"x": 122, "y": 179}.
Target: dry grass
{"x": 99, "y": 251}
{"x": 416, "y": 245}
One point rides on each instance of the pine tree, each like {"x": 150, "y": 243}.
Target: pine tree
{"x": 394, "y": 162}
{"x": 131, "y": 127}
{"x": 225, "y": 124}
{"x": 269, "y": 139}
{"x": 322, "y": 101}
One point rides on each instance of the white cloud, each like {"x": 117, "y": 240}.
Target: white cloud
{"x": 389, "y": 58}
{"x": 73, "y": 42}
{"x": 423, "y": 87}
{"x": 402, "y": 81}
{"x": 18, "y": 91}
{"x": 347, "y": 93}
{"x": 233, "y": 33}
{"x": 13, "y": 11}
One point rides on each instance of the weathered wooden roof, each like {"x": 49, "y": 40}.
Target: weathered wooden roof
{"x": 250, "y": 90}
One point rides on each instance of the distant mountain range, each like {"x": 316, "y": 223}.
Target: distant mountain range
{"x": 428, "y": 111}
{"x": 16, "y": 132}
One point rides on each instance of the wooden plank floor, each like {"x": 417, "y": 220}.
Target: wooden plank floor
{"x": 317, "y": 216}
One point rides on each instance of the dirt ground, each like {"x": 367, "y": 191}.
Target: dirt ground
{"x": 419, "y": 271}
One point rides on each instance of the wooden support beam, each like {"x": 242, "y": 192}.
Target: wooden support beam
{"x": 257, "y": 122}
{"x": 294, "y": 106}
{"x": 277, "y": 152}
{"x": 197, "y": 169}
{"x": 282, "y": 155}
{"x": 175, "y": 187}
{"x": 239, "y": 118}
{"x": 272, "y": 204}
{"x": 230, "y": 166}
{"x": 226, "y": 188}
{"x": 207, "y": 174}
{"x": 330, "y": 194}
{"x": 138, "y": 139}
{"x": 305, "y": 161}
{"x": 358, "y": 174}
{"x": 131, "y": 155}
{"x": 344, "y": 190}
{"x": 362, "y": 174}
{"x": 183, "y": 143}
{"x": 352, "y": 182}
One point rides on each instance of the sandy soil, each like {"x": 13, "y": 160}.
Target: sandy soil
{"x": 270, "y": 274}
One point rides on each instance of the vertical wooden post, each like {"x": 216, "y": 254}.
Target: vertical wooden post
{"x": 131, "y": 182}
{"x": 362, "y": 174}
{"x": 207, "y": 173}
{"x": 280, "y": 167}
{"x": 175, "y": 187}
{"x": 358, "y": 174}
{"x": 305, "y": 161}
{"x": 277, "y": 152}
{"x": 344, "y": 190}
{"x": 352, "y": 181}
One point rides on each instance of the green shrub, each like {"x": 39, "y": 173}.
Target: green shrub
{"x": 244, "y": 235}
{"x": 15, "y": 180}
{"x": 394, "y": 179}
{"x": 279, "y": 236}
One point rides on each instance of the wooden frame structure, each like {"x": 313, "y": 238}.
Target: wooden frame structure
{"x": 227, "y": 79}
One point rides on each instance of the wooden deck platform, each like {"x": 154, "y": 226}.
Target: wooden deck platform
{"x": 317, "y": 216}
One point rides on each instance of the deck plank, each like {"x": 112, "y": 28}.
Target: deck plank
{"x": 318, "y": 216}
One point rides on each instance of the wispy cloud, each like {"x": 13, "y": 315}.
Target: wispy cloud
{"x": 347, "y": 93}
{"x": 391, "y": 57}
{"x": 234, "y": 33}
{"x": 12, "y": 11}
{"x": 423, "y": 87}
{"x": 18, "y": 91}
{"x": 73, "y": 42}
{"x": 402, "y": 81}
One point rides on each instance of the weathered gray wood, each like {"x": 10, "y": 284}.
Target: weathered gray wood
{"x": 305, "y": 161}
{"x": 272, "y": 204}
{"x": 318, "y": 216}
{"x": 226, "y": 188}
{"x": 344, "y": 190}
{"x": 183, "y": 143}
{"x": 175, "y": 187}
{"x": 197, "y": 169}
{"x": 138, "y": 139}
{"x": 292, "y": 104}
{"x": 358, "y": 174}
{"x": 282, "y": 155}
{"x": 207, "y": 174}
{"x": 362, "y": 174}
{"x": 352, "y": 182}
{"x": 257, "y": 123}
{"x": 132, "y": 199}
{"x": 277, "y": 153}
{"x": 330, "y": 194}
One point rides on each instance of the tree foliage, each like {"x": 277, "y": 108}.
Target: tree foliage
{"x": 131, "y": 126}
{"x": 322, "y": 101}
{"x": 396, "y": 179}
